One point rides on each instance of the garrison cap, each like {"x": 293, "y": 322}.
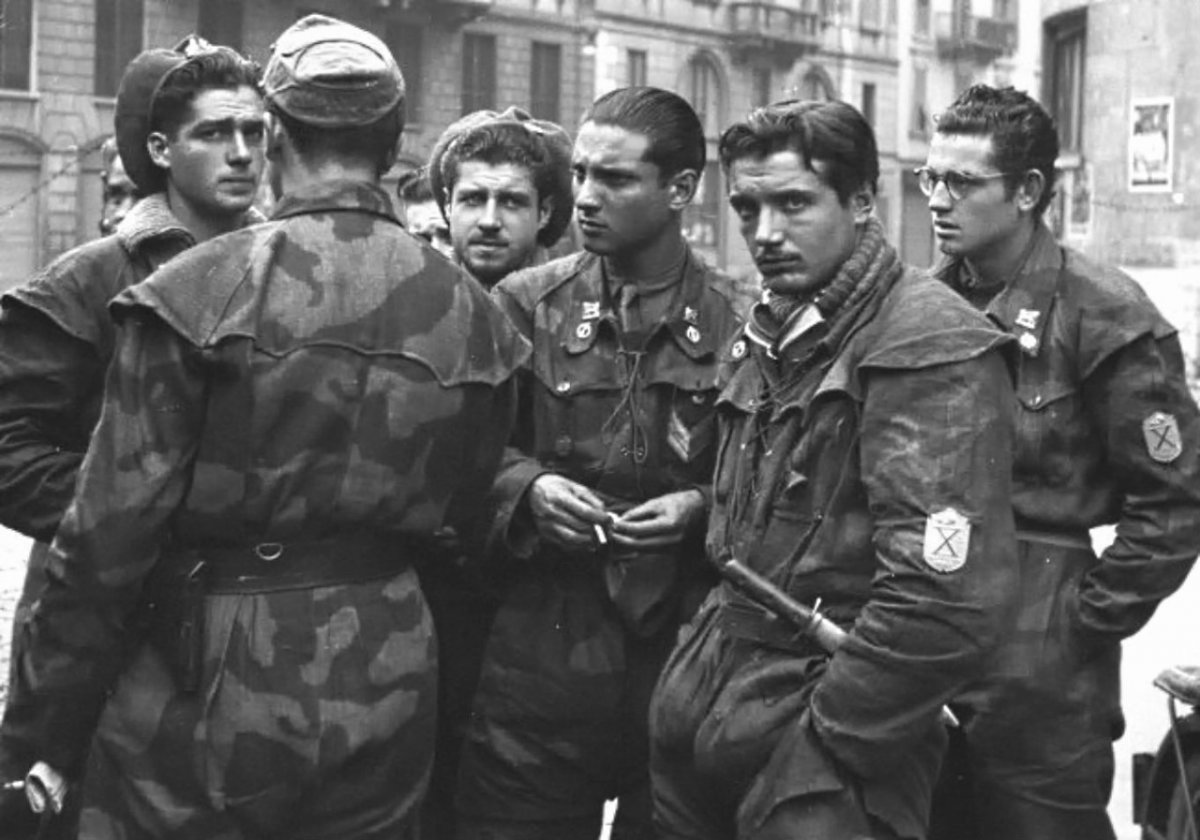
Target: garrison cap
{"x": 328, "y": 73}
{"x": 552, "y": 138}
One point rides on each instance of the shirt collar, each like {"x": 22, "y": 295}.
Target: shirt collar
{"x": 1023, "y": 307}
{"x": 332, "y": 196}
{"x": 690, "y": 319}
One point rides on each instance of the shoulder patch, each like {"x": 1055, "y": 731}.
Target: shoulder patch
{"x": 947, "y": 540}
{"x": 1161, "y": 431}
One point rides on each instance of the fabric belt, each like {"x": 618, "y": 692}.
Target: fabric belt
{"x": 303, "y": 564}
{"x": 1067, "y": 539}
{"x": 742, "y": 619}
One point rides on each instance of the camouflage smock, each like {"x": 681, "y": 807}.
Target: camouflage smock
{"x": 321, "y": 375}
{"x": 1106, "y": 432}
{"x": 832, "y": 465}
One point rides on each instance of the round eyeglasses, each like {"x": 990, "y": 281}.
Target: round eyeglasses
{"x": 958, "y": 184}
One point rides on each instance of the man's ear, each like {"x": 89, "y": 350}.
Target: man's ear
{"x": 545, "y": 211}
{"x": 682, "y": 187}
{"x": 862, "y": 202}
{"x": 159, "y": 149}
{"x": 1030, "y": 190}
{"x": 274, "y": 130}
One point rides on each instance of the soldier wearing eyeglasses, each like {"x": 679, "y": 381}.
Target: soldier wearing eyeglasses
{"x": 1107, "y": 433}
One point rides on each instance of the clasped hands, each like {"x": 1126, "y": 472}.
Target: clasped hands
{"x": 566, "y": 512}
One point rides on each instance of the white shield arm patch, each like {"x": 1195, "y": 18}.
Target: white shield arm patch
{"x": 947, "y": 540}
{"x": 1161, "y": 431}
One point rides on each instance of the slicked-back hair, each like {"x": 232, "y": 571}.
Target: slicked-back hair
{"x": 498, "y": 143}
{"x": 220, "y": 68}
{"x": 372, "y": 143}
{"x": 1023, "y": 133}
{"x": 665, "y": 118}
{"x": 832, "y": 132}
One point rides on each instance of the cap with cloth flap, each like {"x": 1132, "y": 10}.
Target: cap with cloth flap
{"x": 328, "y": 73}
{"x": 140, "y": 84}
{"x": 554, "y": 140}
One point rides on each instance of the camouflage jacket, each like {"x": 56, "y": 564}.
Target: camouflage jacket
{"x": 1107, "y": 431}
{"x": 323, "y": 373}
{"x": 630, "y": 424}
{"x": 56, "y": 338}
{"x": 860, "y": 469}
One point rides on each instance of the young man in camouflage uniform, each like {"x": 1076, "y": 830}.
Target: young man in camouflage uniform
{"x": 503, "y": 181}
{"x": 864, "y": 412}
{"x": 292, "y": 411}
{"x": 1107, "y": 433}
{"x": 602, "y": 499}
{"x": 189, "y": 127}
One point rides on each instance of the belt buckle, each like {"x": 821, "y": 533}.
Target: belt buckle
{"x": 269, "y": 551}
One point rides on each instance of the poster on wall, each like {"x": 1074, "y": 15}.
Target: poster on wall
{"x": 1151, "y": 144}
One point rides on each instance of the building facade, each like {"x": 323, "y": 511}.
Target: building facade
{"x": 899, "y": 61}
{"x": 1119, "y": 80}
{"x": 61, "y": 61}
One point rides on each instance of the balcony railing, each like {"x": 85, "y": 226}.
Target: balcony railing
{"x": 980, "y": 39}
{"x": 783, "y": 32}
{"x": 452, "y": 12}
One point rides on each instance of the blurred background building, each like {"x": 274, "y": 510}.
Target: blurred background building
{"x": 899, "y": 61}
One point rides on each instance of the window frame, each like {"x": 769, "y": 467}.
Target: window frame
{"x": 109, "y": 63}
{"x": 479, "y": 87}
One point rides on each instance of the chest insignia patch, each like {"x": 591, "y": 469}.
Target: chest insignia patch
{"x": 1029, "y": 343}
{"x": 739, "y": 349}
{"x": 947, "y": 540}
{"x": 1028, "y": 318}
{"x": 591, "y": 310}
{"x": 1161, "y": 431}
{"x": 690, "y": 315}
{"x": 689, "y": 442}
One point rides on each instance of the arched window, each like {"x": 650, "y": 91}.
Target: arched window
{"x": 816, "y": 84}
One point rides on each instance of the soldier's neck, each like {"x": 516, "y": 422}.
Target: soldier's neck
{"x": 997, "y": 265}
{"x": 201, "y": 225}
{"x": 651, "y": 266}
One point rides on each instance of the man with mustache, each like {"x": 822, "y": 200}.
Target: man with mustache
{"x": 603, "y": 494}
{"x": 864, "y": 421}
{"x": 503, "y": 181}
{"x": 189, "y": 129}
{"x": 1107, "y": 433}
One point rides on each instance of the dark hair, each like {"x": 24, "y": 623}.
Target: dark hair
{"x": 832, "y": 132}
{"x": 414, "y": 187}
{"x": 499, "y": 143}
{"x": 1022, "y": 132}
{"x": 372, "y": 143}
{"x": 218, "y": 68}
{"x": 668, "y": 121}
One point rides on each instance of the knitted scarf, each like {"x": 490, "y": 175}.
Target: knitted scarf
{"x": 872, "y": 265}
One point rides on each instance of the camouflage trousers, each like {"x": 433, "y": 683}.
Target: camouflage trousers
{"x": 314, "y": 720}
{"x": 559, "y": 724}
{"x": 1036, "y": 755}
